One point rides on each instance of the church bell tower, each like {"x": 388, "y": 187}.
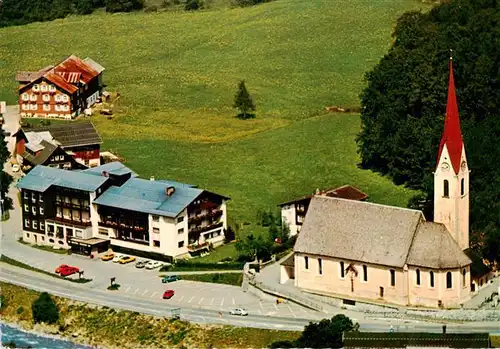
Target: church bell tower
{"x": 451, "y": 178}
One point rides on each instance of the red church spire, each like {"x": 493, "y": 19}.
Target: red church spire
{"x": 452, "y": 135}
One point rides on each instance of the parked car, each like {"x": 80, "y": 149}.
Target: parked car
{"x": 238, "y": 311}
{"x": 170, "y": 278}
{"x": 141, "y": 264}
{"x": 126, "y": 259}
{"x": 108, "y": 256}
{"x": 153, "y": 264}
{"x": 168, "y": 294}
{"x": 59, "y": 268}
{"x": 117, "y": 257}
{"x": 69, "y": 271}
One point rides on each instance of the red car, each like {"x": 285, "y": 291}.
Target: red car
{"x": 59, "y": 268}
{"x": 69, "y": 271}
{"x": 168, "y": 294}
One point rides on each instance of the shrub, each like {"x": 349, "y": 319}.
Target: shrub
{"x": 193, "y": 5}
{"x": 123, "y": 5}
{"x": 152, "y": 8}
{"x": 166, "y": 3}
{"x": 3, "y": 304}
{"x": 20, "y": 310}
{"x": 45, "y": 310}
{"x": 114, "y": 287}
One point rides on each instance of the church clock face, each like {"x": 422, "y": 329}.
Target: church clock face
{"x": 464, "y": 165}
{"x": 445, "y": 167}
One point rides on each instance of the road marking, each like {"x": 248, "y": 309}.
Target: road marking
{"x": 143, "y": 293}
{"x": 154, "y": 293}
{"x": 291, "y": 311}
{"x": 212, "y": 301}
{"x": 190, "y": 299}
{"x": 261, "y": 305}
{"x": 234, "y": 301}
{"x": 222, "y": 302}
{"x": 275, "y": 306}
{"x": 128, "y": 289}
{"x": 136, "y": 291}
{"x": 201, "y": 300}
{"x": 180, "y": 299}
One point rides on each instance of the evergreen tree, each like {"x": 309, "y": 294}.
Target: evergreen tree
{"x": 405, "y": 101}
{"x": 44, "y": 309}
{"x": 243, "y": 102}
{"x": 5, "y": 178}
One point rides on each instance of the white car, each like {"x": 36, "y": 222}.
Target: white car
{"x": 153, "y": 264}
{"x": 117, "y": 257}
{"x": 238, "y": 311}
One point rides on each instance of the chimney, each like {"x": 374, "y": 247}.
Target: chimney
{"x": 169, "y": 191}
{"x": 152, "y": 178}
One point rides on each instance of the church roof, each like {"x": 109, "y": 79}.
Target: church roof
{"x": 434, "y": 247}
{"x": 452, "y": 134}
{"x": 376, "y": 234}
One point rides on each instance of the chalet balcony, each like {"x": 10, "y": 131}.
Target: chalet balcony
{"x": 67, "y": 221}
{"x": 211, "y": 214}
{"x": 200, "y": 229}
{"x": 198, "y": 247}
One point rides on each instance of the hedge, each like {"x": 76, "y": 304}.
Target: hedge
{"x": 193, "y": 266}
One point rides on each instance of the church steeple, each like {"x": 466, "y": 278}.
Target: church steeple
{"x": 452, "y": 135}
{"x": 451, "y": 178}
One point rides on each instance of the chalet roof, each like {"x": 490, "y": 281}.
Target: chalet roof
{"x": 40, "y": 178}
{"x": 452, "y": 134}
{"x": 343, "y": 192}
{"x": 59, "y": 81}
{"x": 114, "y": 168}
{"x": 149, "y": 197}
{"x": 45, "y": 150}
{"x": 377, "y": 234}
{"x": 73, "y": 64}
{"x": 28, "y": 76}
{"x": 434, "y": 247}
{"x": 34, "y": 137}
{"x": 73, "y": 134}
{"x": 96, "y": 66}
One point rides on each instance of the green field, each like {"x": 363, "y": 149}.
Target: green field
{"x": 177, "y": 73}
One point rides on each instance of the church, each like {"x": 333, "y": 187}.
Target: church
{"x": 364, "y": 251}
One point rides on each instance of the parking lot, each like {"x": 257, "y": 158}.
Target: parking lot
{"x": 146, "y": 284}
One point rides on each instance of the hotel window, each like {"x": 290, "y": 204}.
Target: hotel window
{"x": 26, "y": 208}
{"x": 33, "y": 210}
{"x": 449, "y": 281}
{"x": 41, "y": 210}
{"x": 431, "y": 279}
{"x": 40, "y": 197}
{"x": 365, "y": 273}
{"x": 25, "y": 97}
{"x": 26, "y": 196}
{"x": 42, "y": 225}
{"x": 35, "y": 87}
{"x": 156, "y": 218}
{"x": 46, "y": 98}
{"x": 446, "y": 188}
{"x": 65, "y": 98}
{"x": 306, "y": 262}
{"x": 156, "y": 243}
{"x": 180, "y": 244}
{"x": 462, "y": 187}
{"x": 342, "y": 270}
{"x": 320, "y": 266}
{"x": 46, "y": 107}
{"x": 35, "y": 224}
{"x": 50, "y": 228}
{"x": 26, "y": 223}
{"x": 464, "y": 278}
{"x": 180, "y": 231}
{"x": 103, "y": 231}
{"x": 78, "y": 233}
{"x": 180, "y": 219}
{"x": 57, "y": 98}
{"x": 393, "y": 277}
{"x": 57, "y": 107}
{"x": 156, "y": 230}
{"x": 44, "y": 88}
{"x": 52, "y": 88}
{"x": 417, "y": 275}
{"x": 33, "y": 106}
{"x": 33, "y": 197}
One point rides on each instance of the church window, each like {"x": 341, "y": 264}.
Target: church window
{"x": 446, "y": 188}
{"x": 431, "y": 278}
{"x": 462, "y": 187}
{"x": 417, "y": 272}
{"x": 464, "y": 279}
{"x": 365, "y": 273}
{"x": 320, "y": 266}
{"x": 306, "y": 262}
{"x": 393, "y": 277}
{"x": 342, "y": 270}
{"x": 449, "y": 280}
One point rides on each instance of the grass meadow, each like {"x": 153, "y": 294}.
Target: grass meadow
{"x": 177, "y": 73}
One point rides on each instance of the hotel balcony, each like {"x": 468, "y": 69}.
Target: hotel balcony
{"x": 198, "y": 247}
{"x": 68, "y": 221}
{"x": 211, "y": 214}
{"x": 200, "y": 229}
